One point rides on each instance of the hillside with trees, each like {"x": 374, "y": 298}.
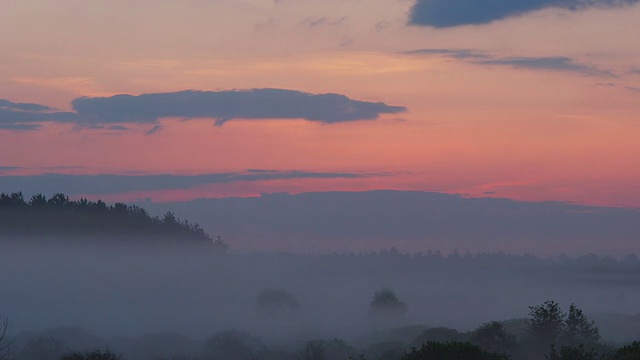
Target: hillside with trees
{"x": 59, "y": 216}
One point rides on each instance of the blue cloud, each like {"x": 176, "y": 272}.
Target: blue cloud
{"x": 461, "y": 54}
{"x": 554, "y": 63}
{"x": 112, "y": 184}
{"x": 449, "y": 13}
{"x": 546, "y": 63}
{"x": 223, "y": 106}
{"x": 229, "y": 105}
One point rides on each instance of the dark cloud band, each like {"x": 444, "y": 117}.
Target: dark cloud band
{"x": 222, "y": 106}
{"x": 545, "y": 63}
{"x": 228, "y": 105}
{"x": 449, "y": 13}
{"x": 113, "y": 184}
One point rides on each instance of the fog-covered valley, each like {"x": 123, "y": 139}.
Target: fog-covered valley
{"x": 121, "y": 290}
{"x": 80, "y": 275}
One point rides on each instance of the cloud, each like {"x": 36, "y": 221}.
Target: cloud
{"x": 222, "y": 106}
{"x": 555, "y": 63}
{"x": 12, "y": 106}
{"x": 313, "y": 22}
{"x": 228, "y": 105}
{"x": 118, "y": 128}
{"x": 449, "y": 13}
{"x": 545, "y": 63}
{"x": 113, "y": 184}
{"x": 8, "y": 168}
{"x": 27, "y": 116}
{"x": 461, "y": 54}
{"x": 19, "y": 127}
{"x": 633, "y": 88}
{"x": 154, "y": 130}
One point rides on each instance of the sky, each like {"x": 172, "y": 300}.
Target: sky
{"x": 163, "y": 100}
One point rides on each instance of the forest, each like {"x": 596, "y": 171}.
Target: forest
{"x": 59, "y": 215}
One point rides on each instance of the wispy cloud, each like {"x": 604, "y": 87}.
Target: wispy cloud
{"x": 462, "y": 54}
{"x": 8, "y": 168}
{"x": 313, "y": 22}
{"x": 544, "y": 63}
{"x": 26, "y": 116}
{"x": 554, "y": 63}
{"x": 449, "y": 13}
{"x": 19, "y": 126}
{"x": 12, "y": 106}
{"x": 112, "y": 184}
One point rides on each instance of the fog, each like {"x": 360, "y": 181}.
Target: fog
{"x": 121, "y": 290}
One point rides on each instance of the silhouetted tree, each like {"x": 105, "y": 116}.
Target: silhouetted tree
{"x": 439, "y": 334}
{"x": 219, "y": 245}
{"x": 571, "y": 353}
{"x": 493, "y": 337}
{"x": 38, "y": 201}
{"x": 546, "y": 323}
{"x": 578, "y": 330}
{"x": 385, "y": 304}
{"x": 59, "y": 200}
{"x": 451, "y": 351}
{"x": 313, "y": 350}
{"x": 92, "y": 355}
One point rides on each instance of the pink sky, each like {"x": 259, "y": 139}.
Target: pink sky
{"x": 547, "y": 109}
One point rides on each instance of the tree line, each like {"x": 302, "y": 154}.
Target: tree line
{"x": 548, "y": 333}
{"x": 59, "y": 215}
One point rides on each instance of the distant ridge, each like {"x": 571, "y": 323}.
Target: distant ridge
{"x": 411, "y": 221}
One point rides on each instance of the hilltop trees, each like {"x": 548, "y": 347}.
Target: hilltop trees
{"x": 60, "y": 215}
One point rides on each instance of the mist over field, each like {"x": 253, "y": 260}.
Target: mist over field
{"x": 130, "y": 289}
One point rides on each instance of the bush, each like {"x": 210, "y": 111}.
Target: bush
{"x": 451, "y": 351}
{"x": 92, "y": 355}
